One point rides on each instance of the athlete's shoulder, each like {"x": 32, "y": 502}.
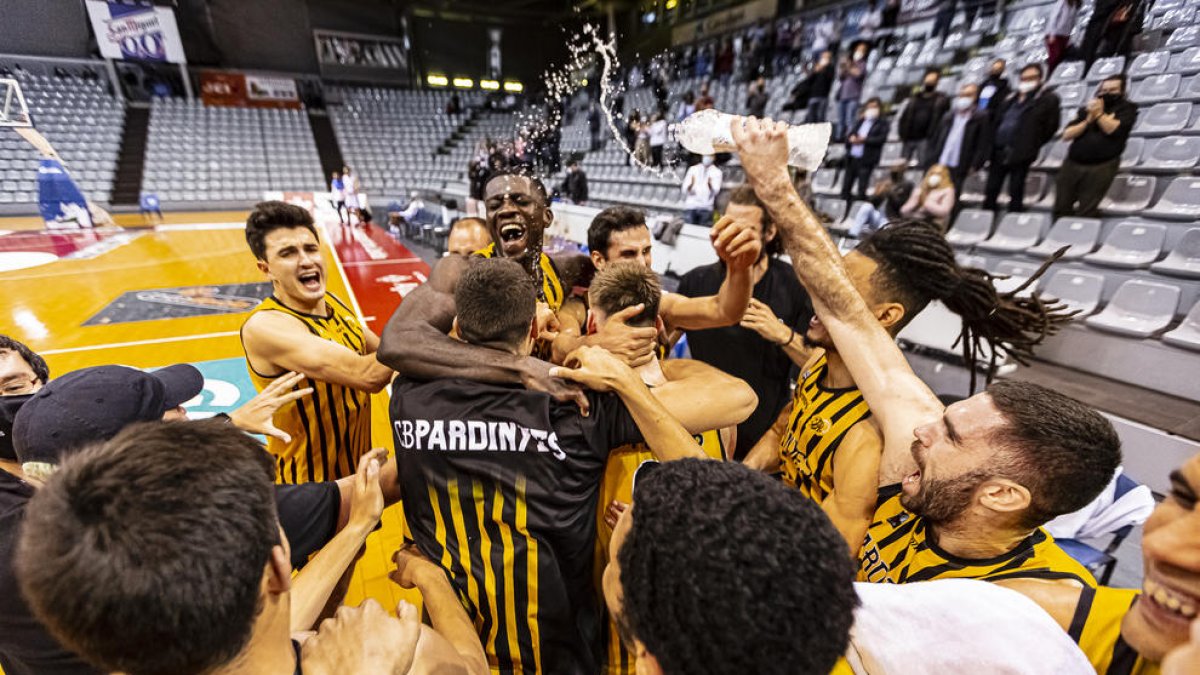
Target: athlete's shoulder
{"x": 1059, "y": 600}
{"x": 574, "y": 269}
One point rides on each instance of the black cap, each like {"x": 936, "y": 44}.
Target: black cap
{"x": 93, "y": 404}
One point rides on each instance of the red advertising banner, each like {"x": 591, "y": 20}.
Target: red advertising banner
{"x": 248, "y": 91}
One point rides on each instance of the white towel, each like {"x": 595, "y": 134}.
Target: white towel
{"x": 957, "y": 626}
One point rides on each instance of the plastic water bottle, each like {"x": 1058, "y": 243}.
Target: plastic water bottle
{"x": 707, "y": 132}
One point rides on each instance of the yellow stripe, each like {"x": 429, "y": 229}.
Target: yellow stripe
{"x": 489, "y": 575}
{"x": 510, "y": 611}
{"x": 439, "y": 531}
{"x": 531, "y": 572}
{"x": 464, "y": 552}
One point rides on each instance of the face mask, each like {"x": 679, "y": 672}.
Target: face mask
{"x": 1111, "y": 99}
{"x": 870, "y": 114}
{"x": 963, "y": 103}
{"x": 929, "y": 87}
{"x": 706, "y": 161}
{"x": 997, "y": 73}
{"x": 1025, "y": 87}
{"x": 859, "y": 56}
{"x": 934, "y": 181}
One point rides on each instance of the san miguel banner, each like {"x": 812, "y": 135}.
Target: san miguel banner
{"x": 136, "y": 30}
{"x": 248, "y": 91}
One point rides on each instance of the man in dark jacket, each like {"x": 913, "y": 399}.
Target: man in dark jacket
{"x": 919, "y": 121}
{"x": 1024, "y": 122}
{"x": 864, "y": 147}
{"x": 574, "y": 186}
{"x": 963, "y": 141}
{"x": 820, "y": 82}
{"x": 756, "y": 100}
{"x": 994, "y": 89}
{"x": 1098, "y": 135}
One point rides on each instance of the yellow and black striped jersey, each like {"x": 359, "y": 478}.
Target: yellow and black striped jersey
{"x": 898, "y": 549}
{"x": 551, "y": 291}
{"x": 820, "y": 419}
{"x": 1096, "y": 627}
{"x": 617, "y": 484}
{"x": 500, "y": 487}
{"x": 331, "y": 428}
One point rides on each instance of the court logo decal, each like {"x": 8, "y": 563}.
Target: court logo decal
{"x": 181, "y": 302}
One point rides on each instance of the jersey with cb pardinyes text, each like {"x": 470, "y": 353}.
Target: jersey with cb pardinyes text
{"x": 500, "y": 487}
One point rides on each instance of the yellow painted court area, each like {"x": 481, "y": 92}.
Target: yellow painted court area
{"x": 46, "y": 306}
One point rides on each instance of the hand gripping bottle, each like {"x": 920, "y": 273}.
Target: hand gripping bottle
{"x": 707, "y": 132}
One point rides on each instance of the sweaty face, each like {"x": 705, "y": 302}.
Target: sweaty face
{"x": 1171, "y": 557}
{"x": 517, "y": 215}
{"x": 953, "y": 455}
{"x": 628, "y": 245}
{"x": 860, "y": 268}
{"x": 466, "y": 239}
{"x": 16, "y": 376}
{"x": 294, "y": 263}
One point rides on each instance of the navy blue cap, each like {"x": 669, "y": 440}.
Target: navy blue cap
{"x": 93, "y": 404}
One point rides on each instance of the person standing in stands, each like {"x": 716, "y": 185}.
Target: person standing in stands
{"x": 756, "y": 99}
{"x": 701, "y": 185}
{"x": 820, "y": 82}
{"x": 963, "y": 141}
{"x": 1025, "y": 121}
{"x": 1058, "y": 32}
{"x": 852, "y": 72}
{"x": 919, "y": 121}
{"x": 658, "y": 138}
{"x": 574, "y": 186}
{"x": 864, "y": 147}
{"x": 1098, "y": 136}
{"x": 995, "y": 88}
{"x": 593, "y": 120}
{"x": 336, "y": 191}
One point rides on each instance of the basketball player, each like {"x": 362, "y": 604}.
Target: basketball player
{"x": 980, "y": 477}
{"x": 467, "y": 235}
{"x": 825, "y": 442}
{"x": 619, "y": 233}
{"x": 501, "y": 484}
{"x": 303, "y": 328}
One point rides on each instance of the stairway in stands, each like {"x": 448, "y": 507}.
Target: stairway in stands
{"x": 127, "y": 186}
{"x": 327, "y": 143}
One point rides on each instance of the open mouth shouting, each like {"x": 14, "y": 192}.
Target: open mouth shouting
{"x": 514, "y": 236}
{"x": 311, "y": 281}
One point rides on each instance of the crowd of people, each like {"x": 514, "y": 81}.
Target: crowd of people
{"x": 574, "y": 501}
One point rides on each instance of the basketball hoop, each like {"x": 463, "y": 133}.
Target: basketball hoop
{"x": 14, "y": 112}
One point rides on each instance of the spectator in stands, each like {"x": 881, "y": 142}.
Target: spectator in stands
{"x": 701, "y": 184}
{"x": 864, "y": 147}
{"x": 919, "y": 122}
{"x": 657, "y": 134}
{"x": 1098, "y": 135}
{"x": 337, "y": 191}
{"x": 478, "y": 172}
{"x": 995, "y": 88}
{"x": 761, "y": 350}
{"x": 687, "y": 106}
{"x": 413, "y": 209}
{"x": 630, "y": 133}
{"x": 756, "y": 98}
{"x": 1058, "y": 32}
{"x": 884, "y": 202}
{"x": 820, "y": 82}
{"x": 594, "y": 123}
{"x": 467, "y": 235}
{"x": 1111, "y": 29}
{"x": 454, "y": 105}
{"x": 871, "y": 21}
{"x": 825, "y": 34}
{"x": 641, "y": 146}
{"x": 934, "y": 200}
{"x": 705, "y": 100}
{"x": 350, "y": 190}
{"x": 724, "y": 65}
{"x": 851, "y": 73}
{"x": 574, "y": 186}
{"x": 890, "y": 14}
{"x": 1025, "y": 121}
{"x": 705, "y": 620}
{"x": 963, "y": 141}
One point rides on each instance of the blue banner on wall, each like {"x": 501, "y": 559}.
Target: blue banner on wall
{"x": 59, "y": 199}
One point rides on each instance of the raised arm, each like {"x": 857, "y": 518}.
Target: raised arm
{"x": 446, "y": 614}
{"x": 897, "y": 397}
{"x": 739, "y": 245}
{"x": 277, "y": 341}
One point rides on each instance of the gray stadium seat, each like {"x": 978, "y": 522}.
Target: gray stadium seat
{"x": 1156, "y": 88}
{"x": 1134, "y": 147}
{"x": 1071, "y": 96}
{"x": 1184, "y": 258}
{"x": 1017, "y": 273}
{"x": 1187, "y": 335}
{"x": 1171, "y": 153}
{"x": 832, "y": 206}
{"x": 1181, "y": 199}
{"x": 1017, "y": 232}
{"x": 971, "y": 227}
{"x": 973, "y": 187}
{"x": 1187, "y": 61}
{"x": 1149, "y": 63}
{"x": 1078, "y": 290}
{"x": 825, "y": 181}
{"x": 1102, "y": 68}
{"x": 1175, "y": 18}
{"x": 1080, "y": 234}
{"x": 1163, "y": 118}
{"x": 1131, "y": 245}
{"x": 1138, "y": 309}
{"x": 1129, "y": 194}
{"x": 1190, "y": 88}
{"x": 966, "y": 260}
{"x": 1055, "y": 154}
{"x": 1067, "y": 71}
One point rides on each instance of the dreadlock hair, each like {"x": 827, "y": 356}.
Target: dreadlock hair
{"x": 916, "y": 265}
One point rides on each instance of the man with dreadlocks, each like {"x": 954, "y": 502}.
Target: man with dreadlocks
{"x": 977, "y": 479}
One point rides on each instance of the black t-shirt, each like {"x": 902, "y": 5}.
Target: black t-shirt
{"x": 26, "y": 648}
{"x": 1094, "y": 146}
{"x": 743, "y": 353}
{"x": 308, "y": 514}
{"x": 500, "y": 488}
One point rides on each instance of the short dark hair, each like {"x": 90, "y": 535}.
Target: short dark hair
{"x": 495, "y": 302}
{"x": 274, "y": 215}
{"x": 621, "y": 285}
{"x": 875, "y": 100}
{"x": 764, "y": 566}
{"x": 172, "y": 576}
{"x": 35, "y": 361}
{"x": 612, "y": 219}
{"x": 1118, "y": 77}
{"x": 1062, "y": 451}
{"x": 746, "y": 196}
{"x": 1035, "y": 66}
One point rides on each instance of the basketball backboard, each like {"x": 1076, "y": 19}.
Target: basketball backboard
{"x": 14, "y": 112}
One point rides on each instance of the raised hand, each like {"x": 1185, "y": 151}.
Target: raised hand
{"x": 596, "y": 369}
{"x": 257, "y": 415}
{"x": 366, "y": 500}
{"x": 738, "y": 243}
{"x": 760, "y": 319}
{"x": 762, "y": 147}
{"x": 632, "y": 344}
{"x": 364, "y": 639}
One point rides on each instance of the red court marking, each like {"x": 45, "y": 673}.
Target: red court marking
{"x": 59, "y": 243}
{"x": 379, "y": 270}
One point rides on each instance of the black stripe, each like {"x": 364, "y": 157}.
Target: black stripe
{"x": 356, "y": 340}
{"x": 503, "y": 656}
{"x": 320, "y": 429}
{"x": 349, "y": 448}
{"x": 1020, "y": 557}
{"x": 1082, "y": 610}
{"x": 1037, "y": 573}
{"x": 453, "y": 537}
{"x": 1124, "y": 658}
{"x": 905, "y": 528}
{"x": 521, "y": 589}
{"x": 308, "y": 445}
{"x": 339, "y": 452}
{"x": 475, "y": 548}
